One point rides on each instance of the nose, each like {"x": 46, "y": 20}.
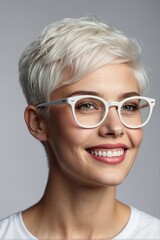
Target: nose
{"x": 112, "y": 125}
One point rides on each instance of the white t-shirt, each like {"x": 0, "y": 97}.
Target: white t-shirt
{"x": 139, "y": 226}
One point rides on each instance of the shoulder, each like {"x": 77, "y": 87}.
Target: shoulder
{"x": 12, "y": 227}
{"x": 8, "y": 221}
{"x": 140, "y": 226}
{"x": 8, "y": 225}
{"x": 145, "y": 219}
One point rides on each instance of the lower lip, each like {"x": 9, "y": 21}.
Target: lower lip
{"x": 110, "y": 160}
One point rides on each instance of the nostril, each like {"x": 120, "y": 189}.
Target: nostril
{"x": 112, "y": 129}
{"x": 110, "y": 133}
{"x": 115, "y": 133}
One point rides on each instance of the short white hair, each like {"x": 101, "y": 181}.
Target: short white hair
{"x": 79, "y": 45}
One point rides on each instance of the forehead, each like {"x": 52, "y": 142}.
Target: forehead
{"x": 109, "y": 81}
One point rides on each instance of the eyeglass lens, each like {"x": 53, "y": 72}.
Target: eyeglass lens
{"x": 90, "y": 111}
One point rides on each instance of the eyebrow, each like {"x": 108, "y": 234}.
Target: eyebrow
{"x": 129, "y": 94}
{"x": 83, "y": 92}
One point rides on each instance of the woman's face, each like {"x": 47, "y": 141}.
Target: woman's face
{"x": 73, "y": 149}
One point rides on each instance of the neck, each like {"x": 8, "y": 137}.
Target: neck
{"x": 77, "y": 199}
{"x": 69, "y": 210}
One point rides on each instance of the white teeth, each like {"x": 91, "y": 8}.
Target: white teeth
{"x": 104, "y": 154}
{"x": 108, "y": 153}
{"x": 100, "y": 153}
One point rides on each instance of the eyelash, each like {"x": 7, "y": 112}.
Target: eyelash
{"x": 82, "y": 106}
{"x": 133, "y": 106}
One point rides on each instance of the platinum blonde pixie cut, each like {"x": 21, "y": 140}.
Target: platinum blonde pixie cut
{"x": 80, "y": 46}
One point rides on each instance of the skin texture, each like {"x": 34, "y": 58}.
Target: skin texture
{"x": 80, "y": 198}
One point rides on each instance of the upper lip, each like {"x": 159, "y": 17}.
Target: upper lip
{"x": 109, "y": 146}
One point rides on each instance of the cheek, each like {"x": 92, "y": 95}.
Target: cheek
{"x": 63, "y": 130}
{"x": 136, "y": 136}
{"x": 67, "y": 141}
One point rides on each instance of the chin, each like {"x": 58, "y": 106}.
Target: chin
{"x": 113, "y": 180}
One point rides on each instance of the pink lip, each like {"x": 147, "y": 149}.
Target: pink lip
{"x": 109, "y": 146}
{"x": 109, "y": 160}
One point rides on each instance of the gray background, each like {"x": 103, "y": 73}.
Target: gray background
{"x": 23, "y": 165}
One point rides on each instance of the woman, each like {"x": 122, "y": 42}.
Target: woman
{"x": 83, "y": 82}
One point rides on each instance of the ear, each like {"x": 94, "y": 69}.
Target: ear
{"x": 35, "y": 124}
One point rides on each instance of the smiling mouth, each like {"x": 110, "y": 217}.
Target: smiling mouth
{"x": 107, "y": 153}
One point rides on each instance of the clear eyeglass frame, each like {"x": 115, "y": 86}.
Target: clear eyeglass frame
{"x": 73, "y": 100}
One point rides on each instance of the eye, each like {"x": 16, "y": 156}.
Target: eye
{"x": 129, "y": 107}
{"x": 87, "y": 106}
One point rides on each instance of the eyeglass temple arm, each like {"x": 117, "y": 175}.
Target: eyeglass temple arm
{"x": 57, "y": 102}
{"x": 152, "y": 103}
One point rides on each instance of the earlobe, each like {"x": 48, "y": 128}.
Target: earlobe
{"x": 35, "y": 124}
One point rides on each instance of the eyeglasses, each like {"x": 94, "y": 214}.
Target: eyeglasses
{"x": 90, "y": 111}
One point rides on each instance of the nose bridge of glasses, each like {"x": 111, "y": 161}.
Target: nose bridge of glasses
{"x": 113, "y": 104}
{"x": 113, "y": 116}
